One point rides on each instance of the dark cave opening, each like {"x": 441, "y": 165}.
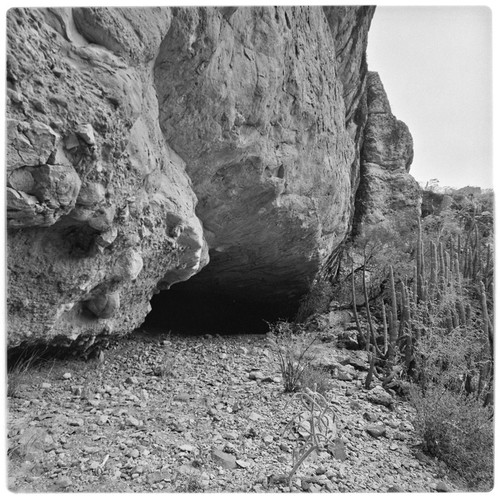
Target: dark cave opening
{"x": 195, "y": 312}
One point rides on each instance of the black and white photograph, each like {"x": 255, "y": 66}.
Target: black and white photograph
{"x": 249, "y": 248}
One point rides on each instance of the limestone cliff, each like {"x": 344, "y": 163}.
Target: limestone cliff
{"x": 145, "y": 143}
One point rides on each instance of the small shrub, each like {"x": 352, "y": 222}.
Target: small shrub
{"x": 316, "y": 379}
{"x": 458, "y": 430}
{"x": 293, "y": 354}
{"x": 188, "y": 483}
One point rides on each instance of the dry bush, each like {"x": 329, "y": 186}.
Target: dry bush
{"x": 458, "y": 430}
{"x": 317, "y": 379}
{"x": 292, "y": 350}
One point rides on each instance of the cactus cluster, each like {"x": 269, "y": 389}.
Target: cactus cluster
{"x": 446, "y": 273}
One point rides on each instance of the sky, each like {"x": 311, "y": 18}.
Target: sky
{"x": 436, "y": 67}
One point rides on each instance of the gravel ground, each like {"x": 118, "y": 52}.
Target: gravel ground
{"x": 201, "y": 414}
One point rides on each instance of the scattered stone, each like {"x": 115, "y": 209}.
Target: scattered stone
{"x": 254, "y": 416}
{"x": 256, "y": 375}
{"x": 91, "y": 450}
{"x": 378, "y": 395}
{"x": 86, "y": 133}
{"x": 344, "y": 376}
{"x": 230, "y": 435}
{"x": 268, "y": 439}
{"x": 76, "y": 422}
{"x": 223, "y": 459}
{"x": 442, "y": 487}
{"x": 63, "y": 482}
{"x": 423, "y": 457}
{"x": 376, "y": 431}
{"x": 398, "y": 435}
{"x": 337, "y": 450}
{"x": 187, "y": 447}
{"x": 269, "y": 379}
{"x": 134, "y": 421}
{"x": 46, "y": 386}
{"x": 278, "y": 479}
{"x": 131, "y": 380}
{"x": 355, "y": 405}
{"x": 67, "y": 376}
{"x": 182, "y": 397}
{"x": 134, "y": 453}
{"x": 395, "y": 488}
{"x": 369, "y": 416}
{"x": 155, "y": 477}
{"x": 242, "y": 464}
{"x": 94, "y": 465}
{"x": 320, "y": 470}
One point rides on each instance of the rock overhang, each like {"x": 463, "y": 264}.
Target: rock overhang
{"x": 230, "y": 136}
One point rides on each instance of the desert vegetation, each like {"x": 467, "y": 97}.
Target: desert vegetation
{"x": 421, "y": 295}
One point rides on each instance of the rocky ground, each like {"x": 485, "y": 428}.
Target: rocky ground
{"x": 176, "y": 413}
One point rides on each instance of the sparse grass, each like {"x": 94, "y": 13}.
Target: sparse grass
{"x": 20, "y": 368}
{"x": 292, "y": 350}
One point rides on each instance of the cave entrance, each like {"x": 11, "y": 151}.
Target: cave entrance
{"x": 193, "y": 312}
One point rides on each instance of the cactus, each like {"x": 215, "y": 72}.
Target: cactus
{"x": 384, "y": 328}
{"x": 419, "y": 263}
{"x": 393, "y": 319}
{"x": 354, "y": 308}
{"x": 488, "y": 332}
{"x": 371, "y": 332}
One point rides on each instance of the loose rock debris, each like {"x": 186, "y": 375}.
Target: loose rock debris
{"x": 201, "y": 414}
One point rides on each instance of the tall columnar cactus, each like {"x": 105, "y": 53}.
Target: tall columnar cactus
{"x": 393, "y": 319}
{"x": 420, "y": 262}
{"x": 433, "y": 271}
{"x": 384, "y": 327}
{"x": 488, "y": 332}
{"x": 355, "y": 309}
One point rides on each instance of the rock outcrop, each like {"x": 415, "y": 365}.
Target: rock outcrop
{"x": 145, "y": 143}
{"x": 387, "y": 194}
{"x": 99, "y": 207}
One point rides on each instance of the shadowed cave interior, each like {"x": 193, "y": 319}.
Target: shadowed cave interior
{"x": 185, "y": 310}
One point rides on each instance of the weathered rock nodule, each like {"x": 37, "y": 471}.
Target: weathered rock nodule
{"x": 144, "y": 143}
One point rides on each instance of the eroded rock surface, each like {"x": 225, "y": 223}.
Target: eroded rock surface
{"x": 387, "y": 193}
{"x": 143, "y": 143}
{"x": 100, "y": 208}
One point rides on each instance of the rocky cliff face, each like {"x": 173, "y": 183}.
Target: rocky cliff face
{"x": 145, "y": 143}
{"x": 387, "y": 192}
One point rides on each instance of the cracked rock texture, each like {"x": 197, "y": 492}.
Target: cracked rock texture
{"x": 144, "y": 143}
